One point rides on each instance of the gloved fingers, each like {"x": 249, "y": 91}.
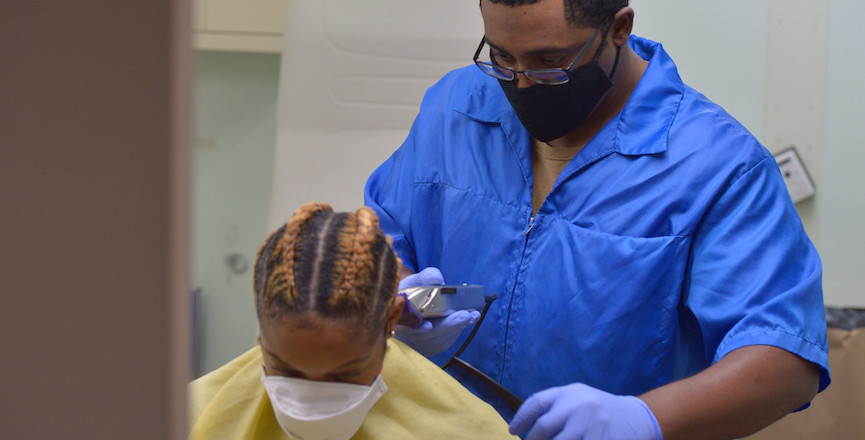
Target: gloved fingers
{"x": 548, "y": 427}
{"x": 539, "y": 431}
{"x": 578, "y": 411}
{"x": 438, "y": 334}
{"x": 561, "y": 422}
{"x": 441, "y": 330}
{"x": 430, "y": 276}
{"x": 426, "y": 277}
{"x": 460, "y": 319}
{"x": 531, "y": 410}
{"x": 448, "y": 329}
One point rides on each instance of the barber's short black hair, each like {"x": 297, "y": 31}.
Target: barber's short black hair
{"x": 583, "y": 13}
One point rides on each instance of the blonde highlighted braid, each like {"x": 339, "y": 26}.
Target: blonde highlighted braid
{"x": 357, "y": 270}
{"x": 340, "y": 266}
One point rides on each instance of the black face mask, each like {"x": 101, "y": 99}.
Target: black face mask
{"x": 550, "y": 112}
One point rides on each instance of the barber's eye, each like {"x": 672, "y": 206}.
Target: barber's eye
{"x": 503, "y": 58}
{"x": 553, "y": 61}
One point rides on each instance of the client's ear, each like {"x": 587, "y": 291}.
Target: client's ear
{"x": 395, "y": 313}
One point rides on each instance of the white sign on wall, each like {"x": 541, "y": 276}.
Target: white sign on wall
{"x": 799, "y": 183}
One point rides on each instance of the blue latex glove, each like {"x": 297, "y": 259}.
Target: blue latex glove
{"x": 435, "y": 335}
{"x": 578, "y": 411}
{"x": 428, "y": 277}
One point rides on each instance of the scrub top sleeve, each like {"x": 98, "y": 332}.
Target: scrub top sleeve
{"x": 389, "y": 192}
{"x": 755, "y": 277}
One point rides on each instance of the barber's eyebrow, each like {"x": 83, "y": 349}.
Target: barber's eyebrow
{"x": 347, "y": 364}
{"x": 537, "y": 51}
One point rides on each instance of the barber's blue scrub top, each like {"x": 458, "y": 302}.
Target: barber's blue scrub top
{"x": 667, "y": 242}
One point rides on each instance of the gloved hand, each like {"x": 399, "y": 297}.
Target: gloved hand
{"x": 578, "y": 411}
{"x": 427, "y": 277}
{"x": 435, "y": 335}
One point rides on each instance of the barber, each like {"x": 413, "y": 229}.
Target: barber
{"x": 654, "y": 278}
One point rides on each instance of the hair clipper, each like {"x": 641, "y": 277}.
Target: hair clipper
{"x": 424, "y": 302}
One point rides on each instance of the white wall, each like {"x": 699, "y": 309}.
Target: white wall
{"x": 841, "y": 189}
{"x": 719, "y": 47}
{"x": 788, "y": 70}
{"x": 234, "y": 135}
{"x": 357, "y": 72}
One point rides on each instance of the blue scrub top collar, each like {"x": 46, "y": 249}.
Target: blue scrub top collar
{"x": 657, "y": 95}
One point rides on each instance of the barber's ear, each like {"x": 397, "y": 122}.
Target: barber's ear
{"x": 623, "y": 24}
{"x": 395, "y": 313}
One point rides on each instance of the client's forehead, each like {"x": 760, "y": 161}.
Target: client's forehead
{"x": 310, "y": 334}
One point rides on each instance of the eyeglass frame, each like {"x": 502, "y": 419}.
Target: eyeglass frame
{"x": 528, "y": 73}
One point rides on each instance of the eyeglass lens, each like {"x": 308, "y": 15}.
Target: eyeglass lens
{"x": 541, "y": 76}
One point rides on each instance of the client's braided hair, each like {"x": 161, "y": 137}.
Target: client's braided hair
{"x": 338, "y": 265}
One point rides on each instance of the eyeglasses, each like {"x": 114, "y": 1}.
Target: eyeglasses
{"x": 547, "y": 77}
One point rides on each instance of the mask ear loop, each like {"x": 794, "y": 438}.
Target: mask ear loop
{"x": 506, "y": 395}
{"x": 616, "y": 63}
{"x": 601, "y": 48}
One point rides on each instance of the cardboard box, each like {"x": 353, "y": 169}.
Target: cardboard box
{"x": 838, "y": 413}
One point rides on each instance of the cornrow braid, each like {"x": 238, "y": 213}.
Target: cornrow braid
{"x": 358, "y": 268}
{"x": 338, "y": 265}
{"x": 292, "y": 232}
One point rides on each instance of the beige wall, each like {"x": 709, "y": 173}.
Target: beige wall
{"x": 93, "y": 219}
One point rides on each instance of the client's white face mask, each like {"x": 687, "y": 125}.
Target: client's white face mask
{"x": 313, "y": 410}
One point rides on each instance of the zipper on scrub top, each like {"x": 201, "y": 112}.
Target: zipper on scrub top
{"x": 507, "y": 335}
{"x": 529, "y": 227}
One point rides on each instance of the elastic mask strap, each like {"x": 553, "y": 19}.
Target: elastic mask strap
{"x": 601, "y": 49}
{"x": 506, "y": 395}
{"x": 603, "y": 43}
{"x": 616, "y": 63}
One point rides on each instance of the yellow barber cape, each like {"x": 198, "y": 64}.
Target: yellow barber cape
{"x": 422, "y": 402}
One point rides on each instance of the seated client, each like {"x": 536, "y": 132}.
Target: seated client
{"x": 326, "y": 366}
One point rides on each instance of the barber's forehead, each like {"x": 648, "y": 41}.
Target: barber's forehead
{"x": 511, "y": 29}
{"x": 549, "y": 15}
